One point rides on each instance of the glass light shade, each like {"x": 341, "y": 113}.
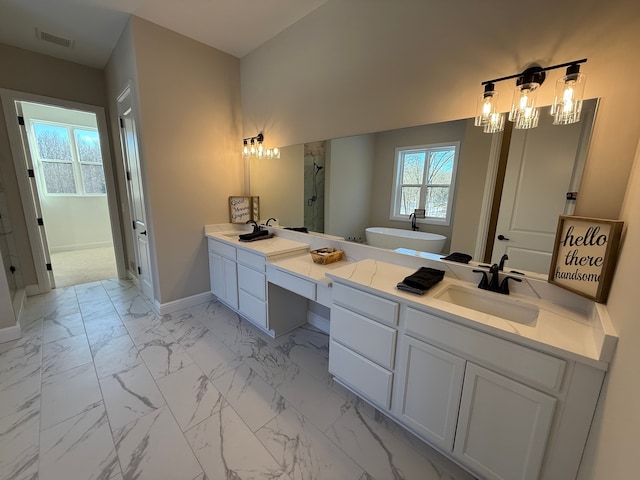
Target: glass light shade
{"x": 245, "y": 149}
{"x": 524, "y": 100}
{"x": 486, "y": 107}
{"x": 527, "y": 119}
{"x": 567, "y": 104}
{"x": 495, "y": 123}
{"x": 276, "y": 152}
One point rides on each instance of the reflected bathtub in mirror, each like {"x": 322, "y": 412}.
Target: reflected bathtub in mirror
{"x": 393, "y": 238}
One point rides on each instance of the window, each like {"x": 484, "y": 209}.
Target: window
{"x": 69, "y": 159}
{"x": 425, "y": 178}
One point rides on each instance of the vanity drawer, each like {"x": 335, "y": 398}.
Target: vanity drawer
{"x": 251, "y": 259}
{"x": 252, "y": 282}
{"x": 252, "y": 308}
{"x": 531, "y": 366}
{"x": 369, "y": 305}
{"x": 369, "y": 379}
{"x": 292, "y": 283}
{"x": 222, "y": 249}
{"x": 375, "y": 341}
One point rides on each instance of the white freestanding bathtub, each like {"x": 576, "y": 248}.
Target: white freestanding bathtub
{"x": 393, "y": 238}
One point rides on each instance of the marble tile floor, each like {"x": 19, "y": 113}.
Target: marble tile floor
{"x": 99, "y": 387}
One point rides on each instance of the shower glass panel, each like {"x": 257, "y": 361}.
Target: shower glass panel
{"x": 314, "y": 163}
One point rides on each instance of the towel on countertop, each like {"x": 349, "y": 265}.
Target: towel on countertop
{"x": 250, "y": 237}
{"x": 458, "y": 257}
{"x": 421, "y": 280}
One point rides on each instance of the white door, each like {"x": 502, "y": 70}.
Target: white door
{"x": 135, "y": 191}
{"x": 545, "y": 163}
{"x": 503, "y": 426}
{"x": 427, "y": 391}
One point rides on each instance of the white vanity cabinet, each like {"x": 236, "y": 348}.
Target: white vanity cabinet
{"x": 252, "y": 288}
{"x": 427, "y": 391}
{"x": 363, "y": 333}
{"x": 222, "y": 272}
{"x": 503, "y": 426}
{"x": 503, "y": 410}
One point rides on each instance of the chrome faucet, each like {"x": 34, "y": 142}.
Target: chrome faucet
{"x": 414, "y": 227}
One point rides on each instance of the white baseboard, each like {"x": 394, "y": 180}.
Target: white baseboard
{"x": 319, "y": 322}
{"x": 31, "y": 290}
{"x": 10, "y": 333}
{"x": 192, "y": 301}
{"x": 79, "y": 246}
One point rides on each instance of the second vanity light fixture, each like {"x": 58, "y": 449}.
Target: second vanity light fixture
{"x": 525, "y": 112}
{"x": 253, "y": 147}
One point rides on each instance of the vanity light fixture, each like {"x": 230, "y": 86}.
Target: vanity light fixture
{"x": 254, "y": 147}
{"x": 525, "y": 112}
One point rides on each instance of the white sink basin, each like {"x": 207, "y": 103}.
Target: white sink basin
{"x": 490, "y": 303}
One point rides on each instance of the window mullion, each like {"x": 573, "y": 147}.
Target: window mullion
{"x": 75, "y": 162}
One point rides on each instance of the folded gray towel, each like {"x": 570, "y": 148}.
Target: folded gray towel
{"x": 248, "y": 237}
{"x": 424, "y": 278}
{"x": 407, "y": 288}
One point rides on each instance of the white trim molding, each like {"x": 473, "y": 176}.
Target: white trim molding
{"x": 182, "y": 303}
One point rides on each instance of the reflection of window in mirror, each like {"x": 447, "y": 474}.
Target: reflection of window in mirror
{"x": 424, "y": 178}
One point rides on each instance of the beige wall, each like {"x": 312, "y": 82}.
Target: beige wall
{"x": 30, "y": 72}
{"x": 189, "y": 97}
{"x": 363, "y": 66}
{"x": 612, "y": 449}
{"x": 282, "y": 179}
{"x": 348, "y": 186}
{"x": 340, "y": 71}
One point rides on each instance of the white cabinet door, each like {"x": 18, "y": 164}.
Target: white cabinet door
{"x": 230, "y": 282}
{"x": 503, "y": 426}
{"x": 427, "y": 391}
{"x": 224, "y": 279}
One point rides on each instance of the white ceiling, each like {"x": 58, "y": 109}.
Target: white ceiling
{"x": 233, "y": 26}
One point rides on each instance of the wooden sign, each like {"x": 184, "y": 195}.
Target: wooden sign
{"x": 255, "y": 208}
{"x": 584, "y": 255}
{"x": 239, "y": 209}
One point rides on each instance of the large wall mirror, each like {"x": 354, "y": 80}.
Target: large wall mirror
{"x": 510, "y": 187}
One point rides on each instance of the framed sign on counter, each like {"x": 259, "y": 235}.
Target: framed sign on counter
{"x": 584, "y": 255}
{"x": 239, "y": 209}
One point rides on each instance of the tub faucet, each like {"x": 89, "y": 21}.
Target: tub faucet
{"x": 414, "y": 227}
{"x": 504, "y": 258}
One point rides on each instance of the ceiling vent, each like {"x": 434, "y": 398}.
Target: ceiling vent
{"x": 51, "y": 38}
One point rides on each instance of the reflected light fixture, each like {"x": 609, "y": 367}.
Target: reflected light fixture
{"x": 254, "y": 147}
{"x": 525, "y": 112}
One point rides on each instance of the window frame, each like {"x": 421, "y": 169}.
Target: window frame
{"x": 396, "y": 187}
{"x": 76, "y": 162}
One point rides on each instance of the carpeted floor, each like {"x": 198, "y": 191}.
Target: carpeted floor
{"x": 83, "y": 266}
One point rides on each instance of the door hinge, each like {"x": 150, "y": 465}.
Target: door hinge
{"x": 21, "y": 120}
{"x": 121, "y": 123}
{"x": 133, "y": 222}
{"x": 128, "y": 175}
{"x": 12, "y": 269}
{"x": 40, "y": 222}
{"x": 139, "y": 271}
{"x": 49, "y": 267}
{"x": 31, "y": 173}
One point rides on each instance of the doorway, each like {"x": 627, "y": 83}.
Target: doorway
{"x": 69, "y": 195}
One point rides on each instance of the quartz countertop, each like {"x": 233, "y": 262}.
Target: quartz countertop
{"x": 304, "y": 266}
{"x": 269, "y": 247}
{"x": 587, "y": 337}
